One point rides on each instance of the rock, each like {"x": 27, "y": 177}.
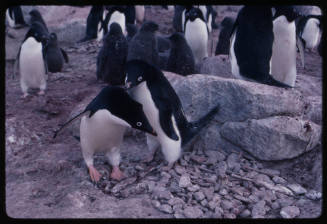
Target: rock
{"x": 184, "y": 181}
{"x": 297, "y": 189}
{"x": 258, "y": 210}
{"x": 192, "y": 212}
{"x": 179, "y": 216}
{"x": 70, "y": 32}
{"x": 290, "y": 212}
{"x": 165, "y": 208}
{"x": 180, "y": 170}
{"x": 193, "y": 188}
{"x": 204, "y": 203}
{"x": 178, "y": 208}
{"x": 175, "y": 200}
{"x": 278, "y": 180}
{"x": 313, "y": 195}
{"x": 275, "y": 205}
{"x": 155, "y": 203}
{"x": 223, "y": 192}
{"x": 283, "y": 202}
{"x": 199, "y": 196}
{"x": 226, "y": 204}
{"x": 218, "y": 213}
{"x": 313, "y": 109}
{"x": 216, "y": 65}
{"x": 233, "y": 160}
{"x": 273, "y": 138}
{"x": 263, "y": 177}
{"x": 161, "y": 193}
{"x": 222, "y": 167}
{"x": 229, "y": 216}
{"x": 208, "y": 192}
{"x": 245, "y": 213}
{"x": 214, "y": 156}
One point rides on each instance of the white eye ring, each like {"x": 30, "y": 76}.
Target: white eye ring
{"x": 139, "y": 78}
{"x": 139, "y": 124}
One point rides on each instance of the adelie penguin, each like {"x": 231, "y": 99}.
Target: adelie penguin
{"x": 92, "y": 23}
{"x": 196, "y": 34}
{"x": 55, "y": 55}
{"x": 283, "y": 60}
{"x": 116, "y": 14}
{"x": 103, "y": 124}
{"x": 31, "y": 59}
{"x": 163, "y": 108}
{"x": 210, "y": 16}
{"x": 15, "y": 18}
{"x": 181, "y": 60}
{"x": 143, "y": 45}
{"x": 224, "y": 36}
{"x": 112, "y": 57}
{"x": 251, "y": 45}
{"x": 37, "y": 17}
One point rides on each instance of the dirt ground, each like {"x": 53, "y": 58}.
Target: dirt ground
{"x": 48, "y": 178}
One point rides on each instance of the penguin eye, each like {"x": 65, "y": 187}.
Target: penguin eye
{"x": 138, "y": 124}
{"x": 139, "y": 78}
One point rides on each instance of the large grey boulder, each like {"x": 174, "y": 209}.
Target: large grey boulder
{"x": 216, "y": 65}
{"x": 313, "y": 109}
{"x": 273, "y": 138}
{"x": 70, "y": 32}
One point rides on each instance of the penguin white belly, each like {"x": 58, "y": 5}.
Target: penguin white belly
{"x": 170, "y": 148}
{"x": 209, "y": 23}
{"x": 31, "y": 64}
{"x": 311, "y": 33}
{"x": 100, "y": 32}
{"x": 283, "y": 60}
{"x": 234, "y": 66}
{"x": 119, "y": 18}
{"x": 139, "y": 13}
{"x": 101, "y": 132}
{"x": 183, "y": 19}
{"x": 11, "y": 21}
{"x": 203, "y": 9}
{"x": 196, "y": 35}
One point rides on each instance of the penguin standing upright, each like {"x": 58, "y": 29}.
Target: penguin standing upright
{"x": 181, "y": 60}
{"x": 31, "y": 58}
{"x": 103, "y": 124}
{"x": 15, "y": 18}
{"x": 55, "y": 55}
{"x": 283, "y": 60}
{"x": 139, "y": 13}
{"x": 92, "y": 23}
{"x": 251, "y": 45}
{"x": 112, "y": 57}
{"x": 101, "y": 26}
{"x": 116, "y": 14}
{"x": 144, "y": 45}
{"x": 177, "y": 19}
{"x": 37, "y": 17}
{"x": 196, "y": 34}
{"x": 309, "y": 28}
{"x": 224, "y": 36}
{"x": 162, "y": 106}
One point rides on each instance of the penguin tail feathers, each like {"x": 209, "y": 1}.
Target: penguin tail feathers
{"x": 197, "y": 126}
{"x": 67, "y": 123}
{"x": 269, "y": 80}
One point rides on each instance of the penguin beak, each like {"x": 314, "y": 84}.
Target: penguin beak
{"x": 128, "y": 85}
{"x": 154, "y": 133}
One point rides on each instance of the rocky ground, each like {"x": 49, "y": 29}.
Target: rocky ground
{"x": 47, "y": 178}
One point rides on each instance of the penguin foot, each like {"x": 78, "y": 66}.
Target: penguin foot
{"x": 41, "y": 92}
{"x": 168, "y": 167}
{"x": 117, "y": 174}
{"x": 94, "y": 174}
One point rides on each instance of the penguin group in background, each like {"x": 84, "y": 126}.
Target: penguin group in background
{"x": 196, "y": 34}
{"x": 224, "y": 36}
{"x": 116, "y": 14}
{"x": 112, "y": 57}
{"x": 93, "y": 19}
{"x": 139, "y": 13}
{"x": 177, "y": 19}
{"x": 163, "y": 108}
{"x": 283, "y": 60}
{"x": 210, "y": 16}
{"x": 32, "y": 59}
{"x": 15, "y": 18}
{"x": 35, "y": 16}
{"x": 55, "y": 56}
{"x": 143, "y": 45}
{"x": 251, "y": 45}
{"x": 103, "y": 124}
{"x": 181, "y": 60}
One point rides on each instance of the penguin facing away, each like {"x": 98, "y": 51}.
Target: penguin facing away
{"x": 196, "y": 34}
{"x": 283, "y": 60}
{"x": 143, "y": 45}
{"x": 31, "y": 59}
{"x": 224, "y": 36}
{"x": 103, "y": 124}
{"x": 55, "y": 55}
{"x": 251, "y": 45}
{"x": 181, "y": 60}
{"x": 112, "y": 57}
{"x": 37, "y": 17}
{"x": 15, "y": 18}
{"x": 163, "y": 108}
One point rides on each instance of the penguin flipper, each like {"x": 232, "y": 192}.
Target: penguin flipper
{"x": 64, "y": 54}
{"x": 166, "y": 123}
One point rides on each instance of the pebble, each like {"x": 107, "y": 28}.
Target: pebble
{"x": 218, "y": 212}
{"x": 313, "y": 195}
{"x": 199, "y": 196}
{"x": 214, "y": 156}
{"x": 226, "y": 205}
{"x": 155, "y": 203}
{"x": 165, "y": 208}
{"x": 229, "y": 216}
{"x": 180, "y": 170}
{"x": 208, "y": 192}
{"x": 192, "y": 212}
{"x": 204, "y": 203}
{"x": 275, "y": 205}
{"x": 175, "y": 201}
{"x": 258, "y": 210}
{"x": 285, "y": 201}
{"x": 178, "y": 208}
{"x": 161, "y": 193}
{"x": 297, "y": 189}
{"x": 184, "y": 181}
{"x": 179, "y": 216}
{"x": 222, "y": 167}
{"x": 289, "y": 212}
{"x": 223, "y": 192}
{"x": 193, "y": 188}
{"x": 278, "y": 180}
{"x": 245, "y": 213}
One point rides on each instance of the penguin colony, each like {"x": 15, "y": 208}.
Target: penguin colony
{"x": 261, "y": 42}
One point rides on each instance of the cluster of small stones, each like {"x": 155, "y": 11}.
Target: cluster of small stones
{"x": 213, "y": 184}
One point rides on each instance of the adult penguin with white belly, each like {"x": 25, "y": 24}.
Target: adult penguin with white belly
{"x": 196, "y": 34}
{"x": 31, "y": 58}
{"x": 103, "y": 125}
{"x": 163, "y": 108}
{"x": 251, "y": 45}
{"x": 116, "y": 14}
{"x": 15, "y": 18}
{"x": 283, "y": 60}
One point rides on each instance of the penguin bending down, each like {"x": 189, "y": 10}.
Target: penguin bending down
{"x": 103, "y": 124}
{"x": 283, "y": 60}
{"x": 37, "y": 17}
{"x": 31, "y": 58}
{"x": 163, "y": 109}
{"x": 251, "y": 45}
{"x": 224, "y": 36}
{"x": 196, "y": 34}
{"x": 15, "y": 18}
{"x": 55, "y": 55}
{"x": 92, "y": 22}
{"x": 112, "y": 57}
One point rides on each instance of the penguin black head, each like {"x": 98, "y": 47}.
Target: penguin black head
{"x": 115, "y": 29}
{"x": 137, "y": 71}
{"x": 176, "y": 37}
{"x": 193, "y": 14}
{"x": 288, "y": 11}
{"x": 149, "y": 26}
{"x": 36, "y": 14}
{"x": 38, "y": 32}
